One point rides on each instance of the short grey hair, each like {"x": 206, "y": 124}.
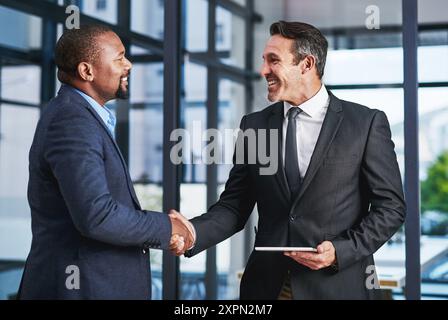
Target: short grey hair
{"x": 308, "y": 40}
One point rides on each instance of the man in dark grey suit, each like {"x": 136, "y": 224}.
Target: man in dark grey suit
{"x": 90, "y": 235}
{"x": 337, "y": 188}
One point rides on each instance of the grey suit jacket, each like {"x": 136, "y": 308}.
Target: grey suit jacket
{"x": 351, "y": 195}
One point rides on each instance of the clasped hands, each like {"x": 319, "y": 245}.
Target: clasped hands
{"x": 183, "y": 235}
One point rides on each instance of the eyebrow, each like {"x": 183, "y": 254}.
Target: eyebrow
{"x": 271, "y": 55}
{"x": 121, "y": 53}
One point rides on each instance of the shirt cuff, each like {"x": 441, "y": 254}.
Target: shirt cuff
{"x": 194, "y": 235}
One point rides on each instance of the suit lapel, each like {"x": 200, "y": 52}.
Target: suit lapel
{"x": 103, "y": 125}
{"x": 276, "y": 123}
{"x": 330, "y": 126}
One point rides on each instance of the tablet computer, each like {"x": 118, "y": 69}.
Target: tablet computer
{"x": 303, "y": 249}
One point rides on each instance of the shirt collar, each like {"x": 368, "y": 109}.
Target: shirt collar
{"x": 312, "y": 106}
{"x": 102, "y": 111}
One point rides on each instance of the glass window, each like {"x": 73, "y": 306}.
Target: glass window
{"x": 230, "y": 253}
{"x": 21, "y": 83}
{"x": 145, "y": 149}
{"x": 240, "y": 2}
{"x": 433, "y": 149}
{"x": 101, "y": 9}
{"x": 17, "y": 125}
{"x": 230, "y": 37}
{"x": 19, "y": 30}
{"x": 433, "y": 63}
{"x": 147, "y": 17}
{"x": 433, "y": 166}
{"x": 193, "y": 191}
{"x": 196, "y": 24}
{"x": 364, "y": 66}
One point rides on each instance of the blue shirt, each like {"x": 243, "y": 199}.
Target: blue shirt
{"x": 105, "y": 114}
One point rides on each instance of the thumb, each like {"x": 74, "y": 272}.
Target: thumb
{"x": 324, "y": 246}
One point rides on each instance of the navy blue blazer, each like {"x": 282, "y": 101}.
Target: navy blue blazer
{"x": 85, "y": 214}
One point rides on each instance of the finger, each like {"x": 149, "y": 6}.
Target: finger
{"x": 175, "y": 247}
{"x": 302, "y": 262}
{"x": 309, "y": 264}
{"x": 312, "y": 258}
{"x": 306, "y": 255}
{"x": 174, "y": 238}
{"x": 180, "y": 244}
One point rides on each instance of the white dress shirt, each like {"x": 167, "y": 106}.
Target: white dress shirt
{"x": 309, "y": 124}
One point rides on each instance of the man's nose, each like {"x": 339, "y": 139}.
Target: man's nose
{"x": 264, "y": 70}
{"x": 128, "y": 64}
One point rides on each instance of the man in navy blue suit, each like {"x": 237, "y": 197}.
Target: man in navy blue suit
{"x": 91, "y": 238}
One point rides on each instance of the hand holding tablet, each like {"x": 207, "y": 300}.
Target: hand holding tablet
{"x": 288, "y": 249}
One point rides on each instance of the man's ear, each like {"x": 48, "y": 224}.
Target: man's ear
{"x": 308, "y": 63}
{"x": 85, "y": 71}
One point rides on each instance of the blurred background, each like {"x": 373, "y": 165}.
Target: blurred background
{"x": 220, "y": 43}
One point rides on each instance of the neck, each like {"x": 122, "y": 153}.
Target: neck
{"x": 308, "y": 90}
{"x": 88, "y": 90}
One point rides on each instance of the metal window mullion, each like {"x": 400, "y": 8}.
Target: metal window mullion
{"x": 48, "y": 67}
{"x": 411, "y": 152}
{"x": 211, "y": 274}
{"x": 171, "y": 120}
{"x": 123, "y": 106}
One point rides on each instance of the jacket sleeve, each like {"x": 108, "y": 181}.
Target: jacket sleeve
{"x": 74, "y": 152}
{"x": 230, "y": 214}
{"x": 380, "y": 171}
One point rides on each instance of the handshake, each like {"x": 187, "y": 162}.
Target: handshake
{"x": 183, "y": 235}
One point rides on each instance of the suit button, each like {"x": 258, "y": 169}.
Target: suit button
{"x": 292, "y": 217}
{"x": 144, "y": 251}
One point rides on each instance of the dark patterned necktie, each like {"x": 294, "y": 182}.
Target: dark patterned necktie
{"x": 291, "y": 160}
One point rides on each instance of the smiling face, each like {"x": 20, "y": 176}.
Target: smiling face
{"x": 281, "y": 71}
{"x": 111, "y": 69}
